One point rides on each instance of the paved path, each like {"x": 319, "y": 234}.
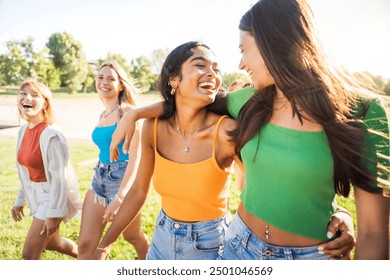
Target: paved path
{"x": 75, "y": 116}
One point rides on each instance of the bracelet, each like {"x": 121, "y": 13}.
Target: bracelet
{"x": 342, "y": 210}
{"x": 117, "y": 198}
{"x": 105, "y": 250}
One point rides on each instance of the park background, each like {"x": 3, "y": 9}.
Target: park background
{"x": 64, "y": 41}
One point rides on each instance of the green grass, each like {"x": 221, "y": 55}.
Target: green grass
{"x": 84, "y": 156}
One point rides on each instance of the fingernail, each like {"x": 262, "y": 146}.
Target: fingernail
{"x": 321, "y": 252}
{"x": 320, "y": 248}
{"x": 41, "y": 232}
{"x": 329, "y": 235}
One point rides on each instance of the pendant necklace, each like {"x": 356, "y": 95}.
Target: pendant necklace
{"x": 105, "y": 114}
{"x": 187, "y": 146}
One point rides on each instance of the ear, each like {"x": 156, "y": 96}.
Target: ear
{"x": 174, "y": 81}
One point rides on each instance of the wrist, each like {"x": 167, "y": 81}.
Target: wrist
{"x": 104, "y": 250}
{"x": 120, "y": 200}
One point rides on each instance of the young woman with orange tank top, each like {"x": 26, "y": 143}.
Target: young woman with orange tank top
{"x": 188, "y": 153}
{"x": 111, "y": 180}
{"x": 48, "y": 182}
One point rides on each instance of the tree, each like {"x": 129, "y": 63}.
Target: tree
{"x": 228, "y": 79}
{"x": 68, "y": 57}
{"x": 21, "y": 61}
{"x": 158, "y": 58}
{"x": 142, "y": 74}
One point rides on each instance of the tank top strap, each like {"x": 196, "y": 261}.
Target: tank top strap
{"x": 155, "y": 133}
{"x": 216, "y": 133}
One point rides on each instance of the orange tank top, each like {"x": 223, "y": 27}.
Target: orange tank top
{"x": 191, "y": 191}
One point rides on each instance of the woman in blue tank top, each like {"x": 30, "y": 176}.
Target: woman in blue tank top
{"x": 106, "y": 192}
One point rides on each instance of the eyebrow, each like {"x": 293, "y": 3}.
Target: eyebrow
{"x": 203, "y": 59}
{"x": 199, "y": 58}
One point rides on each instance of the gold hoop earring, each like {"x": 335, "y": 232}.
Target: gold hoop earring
{"x": 173, "y": 91}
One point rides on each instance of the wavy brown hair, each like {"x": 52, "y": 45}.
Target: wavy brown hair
{"x": 292, "y": 52}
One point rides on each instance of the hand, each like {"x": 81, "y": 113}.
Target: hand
{"x": 17, "y": 213}
{"x": 341, "y": 230}
{"x": 111, "y": 210}
{"x": 124, "y": 130}
{"x": 100, "y": 254}
{"x": 50, "y": 226}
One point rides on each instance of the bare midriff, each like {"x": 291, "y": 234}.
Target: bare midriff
{"x": 276, "y": 236}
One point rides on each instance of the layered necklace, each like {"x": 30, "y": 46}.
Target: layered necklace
{"x": 105, "y": 114}
{"x": 187, "y": 146}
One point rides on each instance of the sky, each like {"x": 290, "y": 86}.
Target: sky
{"x": 356, "y": 33}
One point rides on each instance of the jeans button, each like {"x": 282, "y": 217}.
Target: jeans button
{"x": 176, "y": 226}
{"x": 267, "y": 253}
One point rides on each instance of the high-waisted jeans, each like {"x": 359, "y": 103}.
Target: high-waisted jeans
{"x": 187, "y": 241}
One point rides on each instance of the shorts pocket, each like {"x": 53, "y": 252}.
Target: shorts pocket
{"x": 116, "y": 175}
{"x": 209, "y": 241}
{"x": 42, "y": 194}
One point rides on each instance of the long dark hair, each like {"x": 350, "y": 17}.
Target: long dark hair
{"x": 172, "y": 68}
{"x": 286, "y": 38}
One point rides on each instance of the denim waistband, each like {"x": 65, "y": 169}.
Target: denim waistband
{"x": 248, "y": 237}
{"x": 112, "y": 166}
{"x": 163, "y": 219}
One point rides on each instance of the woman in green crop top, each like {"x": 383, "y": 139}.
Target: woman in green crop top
{"x": 303, "y": 138}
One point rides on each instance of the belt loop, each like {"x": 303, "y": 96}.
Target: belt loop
{"x": 189, "y": 232}
{"x": 244, "y": 241}
{"x": 162, "y": 221}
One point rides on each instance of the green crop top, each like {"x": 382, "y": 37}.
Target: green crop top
{"x": 290, "y": 182}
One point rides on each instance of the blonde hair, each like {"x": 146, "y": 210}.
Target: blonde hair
{"x": 40, "y": 87}
{"x": 129, "y": 91}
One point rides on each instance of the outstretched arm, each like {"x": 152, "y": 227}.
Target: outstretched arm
{"x": 135, "y": 197}
{"x": 126, "y": 126}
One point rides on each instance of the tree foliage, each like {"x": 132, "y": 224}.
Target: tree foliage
{"x": 22, "y": 61}
{"x": 68, "y": 57}
{"x": 142, "y": 73}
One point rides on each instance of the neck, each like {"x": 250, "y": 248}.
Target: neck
{"x": 110, "y": 105}
{"x": 34, "y": 121}
{"x": 189, "y": 122}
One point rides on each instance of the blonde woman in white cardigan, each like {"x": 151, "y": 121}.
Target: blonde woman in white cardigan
{"x": 48, "y": 183}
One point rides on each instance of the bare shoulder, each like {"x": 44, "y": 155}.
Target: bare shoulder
{"x": 128, "y": 107}
{"x": 227, "y": 124}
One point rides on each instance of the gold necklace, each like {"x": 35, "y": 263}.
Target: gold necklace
{"x": 105, "y": 114}
{"x": 187, "y": 146}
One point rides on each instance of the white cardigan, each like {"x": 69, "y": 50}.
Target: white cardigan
{"x": 64, "y": 189}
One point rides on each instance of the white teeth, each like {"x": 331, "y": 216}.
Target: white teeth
{"x": 207, "y": 84}
{"x": 27, "y": 105}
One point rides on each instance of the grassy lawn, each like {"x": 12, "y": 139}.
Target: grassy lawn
{"x": 84, "y": 155}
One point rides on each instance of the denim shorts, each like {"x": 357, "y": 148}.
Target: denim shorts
{"x": 38, "y": 197}
{"x": 107, "y": 180}
{"x": 242, "y": 244}
{"x": 186, "y": 241}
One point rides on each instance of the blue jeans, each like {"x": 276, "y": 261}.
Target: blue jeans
{"x": 186, "y": 241}
{"x": 242, "y": 244}
{"x": 107, "y": 179}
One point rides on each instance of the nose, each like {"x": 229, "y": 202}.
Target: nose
{"x": 241, "y": 65}
{"x": 28, "y": 96}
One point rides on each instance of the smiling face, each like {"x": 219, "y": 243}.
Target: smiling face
{"x": 252, "y": 62}
{"x": 108, "y": 84}
{"x": 31, "y": 104}
{"x": 199, "y": 74}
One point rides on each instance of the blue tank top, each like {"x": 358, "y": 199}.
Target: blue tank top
{"x": 101, "y": 136}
